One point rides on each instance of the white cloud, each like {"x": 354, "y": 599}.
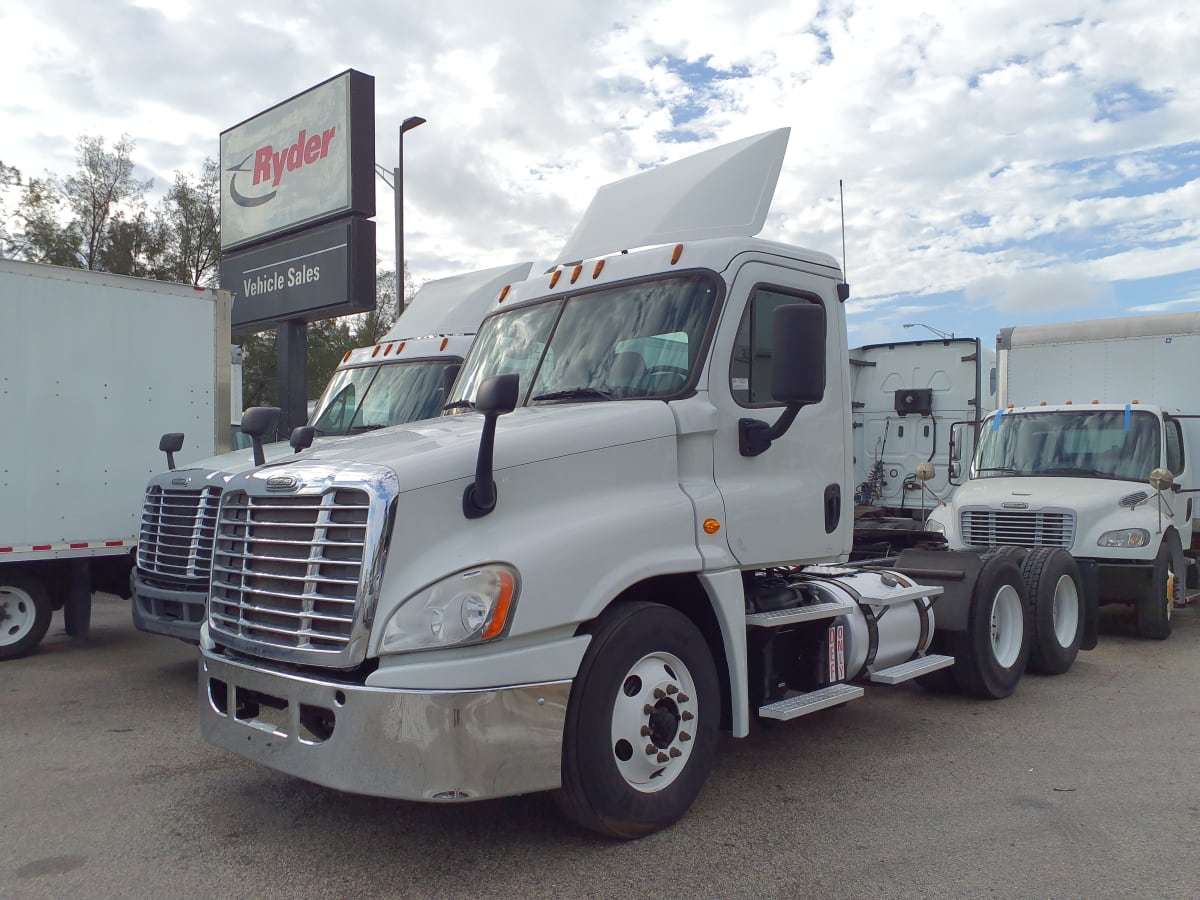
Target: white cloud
{"x": 1042, "y": 291}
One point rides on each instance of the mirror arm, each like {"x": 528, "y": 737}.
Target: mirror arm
{"x": 479, "y": 497}
{"x": 756, "y": 436}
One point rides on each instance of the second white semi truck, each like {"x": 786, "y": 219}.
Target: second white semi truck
{"x": 403, "y": 378}
{"x": 630, "y": 537}
{"x": 1094, "y": 450}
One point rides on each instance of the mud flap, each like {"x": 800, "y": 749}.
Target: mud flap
{"x": 1089, "y": 573}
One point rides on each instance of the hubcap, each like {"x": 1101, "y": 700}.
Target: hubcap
{"x": 1008, "y": 626}
{"x": 1066, "y": 611}
{"x": 17, "y": 615}
{"x": 654, "y": 722}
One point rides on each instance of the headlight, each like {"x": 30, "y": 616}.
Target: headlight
{"x": 933, "y": 525}
{"x": 466, "y": 608}
{"x": 1125, "y": 537}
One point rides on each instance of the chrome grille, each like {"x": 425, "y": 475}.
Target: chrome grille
{"x": 287, "y": 571}
{"x": 1044, "y": 528}
{"x": 175, "y": 542}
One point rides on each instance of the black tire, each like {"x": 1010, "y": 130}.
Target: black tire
{"x": 25, "y": 611}
{"x": 990, "y": 656}
{"x": 1154, "y": 608}
{"x": 607, "y": 782}
{"x": 1055, "y": 591}
{"x": 1017, "y": 554}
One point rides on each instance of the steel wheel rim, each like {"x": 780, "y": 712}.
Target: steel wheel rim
{"x": 1065, "y": 611}
{"x": 17, "y": 615}
{"x": 1007, "y": 626}
{"x": 654, "y": 722}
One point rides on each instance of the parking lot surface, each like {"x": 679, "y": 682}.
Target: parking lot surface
{"x": 1083, "y": 785}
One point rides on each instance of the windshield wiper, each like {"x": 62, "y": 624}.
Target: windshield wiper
{"x": 579, "y": 393}
{"x": 355, "y": 429}
{"x": 458, "y": 404}
{"x": 1007, "y": 470}
{"x": 1074, "y": 470}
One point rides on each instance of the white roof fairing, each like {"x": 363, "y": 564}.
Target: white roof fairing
{"x": 722, "y": 192}
{"x": 454, "y": 305}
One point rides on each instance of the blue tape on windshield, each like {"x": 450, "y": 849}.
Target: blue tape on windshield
{"x": 996, "y": 420}
{"x": 1127, "y": 416}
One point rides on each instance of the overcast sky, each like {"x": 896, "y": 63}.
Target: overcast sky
{"x": 1004, "y": 163}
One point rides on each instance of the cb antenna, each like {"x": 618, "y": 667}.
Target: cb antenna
{"x": 843, "y": 289}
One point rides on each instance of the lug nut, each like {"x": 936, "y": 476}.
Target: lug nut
{"x": 662, "y": 757}
{"x": 686, "y": 716}
{"x": 658, "y": 694}
{"x": 645, "y": 731}
{"x": 683, "y": 698}
{"x": 684, "y": 736}
{"x": 675, "y": 754}
{"x": 651, "y": 749}
{"x": 671, "y": 689}
{"x": 647, "y": 710}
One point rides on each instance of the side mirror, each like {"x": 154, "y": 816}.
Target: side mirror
{"x": 797, "y": 372}
{"x": 170, "y": 444}
{"x": 495, "y": 397}
{"x": 258, "y": 421}
{"x": 1161, "y": 479}
{"x": 302, "y": 437}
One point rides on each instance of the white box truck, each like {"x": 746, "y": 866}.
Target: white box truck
{"x": 632, "y": 536}
{"x": 1093, "y": 449}
{"x": 910, "y": 398}
{"x": 93, "y": 368}
{"x": 401, "y": 379}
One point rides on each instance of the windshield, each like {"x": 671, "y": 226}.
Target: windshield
{"x": 639, "y": 340}
{"x": 1094, "y": 444}
{"x": 370, "y": 397}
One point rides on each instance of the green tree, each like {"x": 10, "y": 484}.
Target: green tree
{"x": 190, "y": 215}
{"x": 42, "y": 237}
{"x": 10, "y": 180}
{"x": 102, "y": 187}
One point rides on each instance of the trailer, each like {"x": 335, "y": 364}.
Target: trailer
{"x": 93, "y": 369}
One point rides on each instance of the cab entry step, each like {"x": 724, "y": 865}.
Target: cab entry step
{"x": 803, "y": 704}
{"x": 922, "y": 665}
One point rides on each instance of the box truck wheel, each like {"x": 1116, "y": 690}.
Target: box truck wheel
{"x": 1055, "y": 590}
{"x": 24, "y": 612}
{"x": 990, "y": 656}
{"x": 641, "y": 729}
{"x": 1165, "y": 592}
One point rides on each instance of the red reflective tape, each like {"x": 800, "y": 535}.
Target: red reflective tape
{"x": 114, "y": 543}
{"x": 40, "y": 547}
{"x": 77, "y": 546}
{"x": 6, "y": 549}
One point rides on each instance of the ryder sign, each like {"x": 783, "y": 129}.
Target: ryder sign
{"x": 306, "y": 160}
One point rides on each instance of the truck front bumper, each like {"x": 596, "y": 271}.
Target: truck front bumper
{"x": 410, "y": 745}
{"x": 174, "y": 612}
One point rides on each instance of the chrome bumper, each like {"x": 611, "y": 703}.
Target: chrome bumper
{"x": 411, "y": 745}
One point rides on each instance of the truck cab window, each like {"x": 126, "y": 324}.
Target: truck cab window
{"x": 750, "y": 366}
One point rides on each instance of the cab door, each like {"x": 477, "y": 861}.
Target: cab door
{"x": 789, "y": 503}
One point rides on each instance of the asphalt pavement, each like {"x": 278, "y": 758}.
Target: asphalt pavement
{"x": 1082, "y": 785}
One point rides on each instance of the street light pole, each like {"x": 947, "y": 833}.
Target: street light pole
{"x": 944, "y": 335}
{"x": 398, "y": 190}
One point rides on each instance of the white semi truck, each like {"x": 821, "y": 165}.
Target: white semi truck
{"x": 93, "y": 368}
{"x": 631, "y": 536}
{"x": 915, "y": 402}
{"x": 401, "y": 379}
{"x": 1093, "y": 450}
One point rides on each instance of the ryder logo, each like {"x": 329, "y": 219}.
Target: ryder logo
{"x": 269, "y": 165}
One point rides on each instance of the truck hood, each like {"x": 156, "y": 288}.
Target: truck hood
{"x": 1078, "y": 494}
{"x": 237, "y": 461}
{"x": 438, "y": 450}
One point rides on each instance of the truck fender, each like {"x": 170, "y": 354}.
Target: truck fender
{"x": 956, "y": 571}
{"x": 1089, "y": 574}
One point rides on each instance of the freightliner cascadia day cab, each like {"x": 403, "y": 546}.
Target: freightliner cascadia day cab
{"x": 630, "y": 535}
{"x": 909, "y": 399}
{"x": 93, "y": 367}
{"x": 1093, "y": 450}
{"x": 401, "y": 379}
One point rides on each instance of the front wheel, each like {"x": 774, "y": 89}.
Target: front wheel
{"x": 25, "y": 610}
{"x": 1154, "y": 608}
{"x": 990, "y": 656}
{"x": 641, "y": 729}
{"x": 1055, "y": 591}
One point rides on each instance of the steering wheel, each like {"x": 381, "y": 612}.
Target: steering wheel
{"x": 681, "y": 374}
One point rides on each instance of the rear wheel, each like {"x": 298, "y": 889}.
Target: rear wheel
{"x": 990, "y": 655}
{"x": 641, "y": 729}
{"x": 1154, "y": 608}
{"x": 25, "y": 610}
{"x": 1055, "y": 591}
